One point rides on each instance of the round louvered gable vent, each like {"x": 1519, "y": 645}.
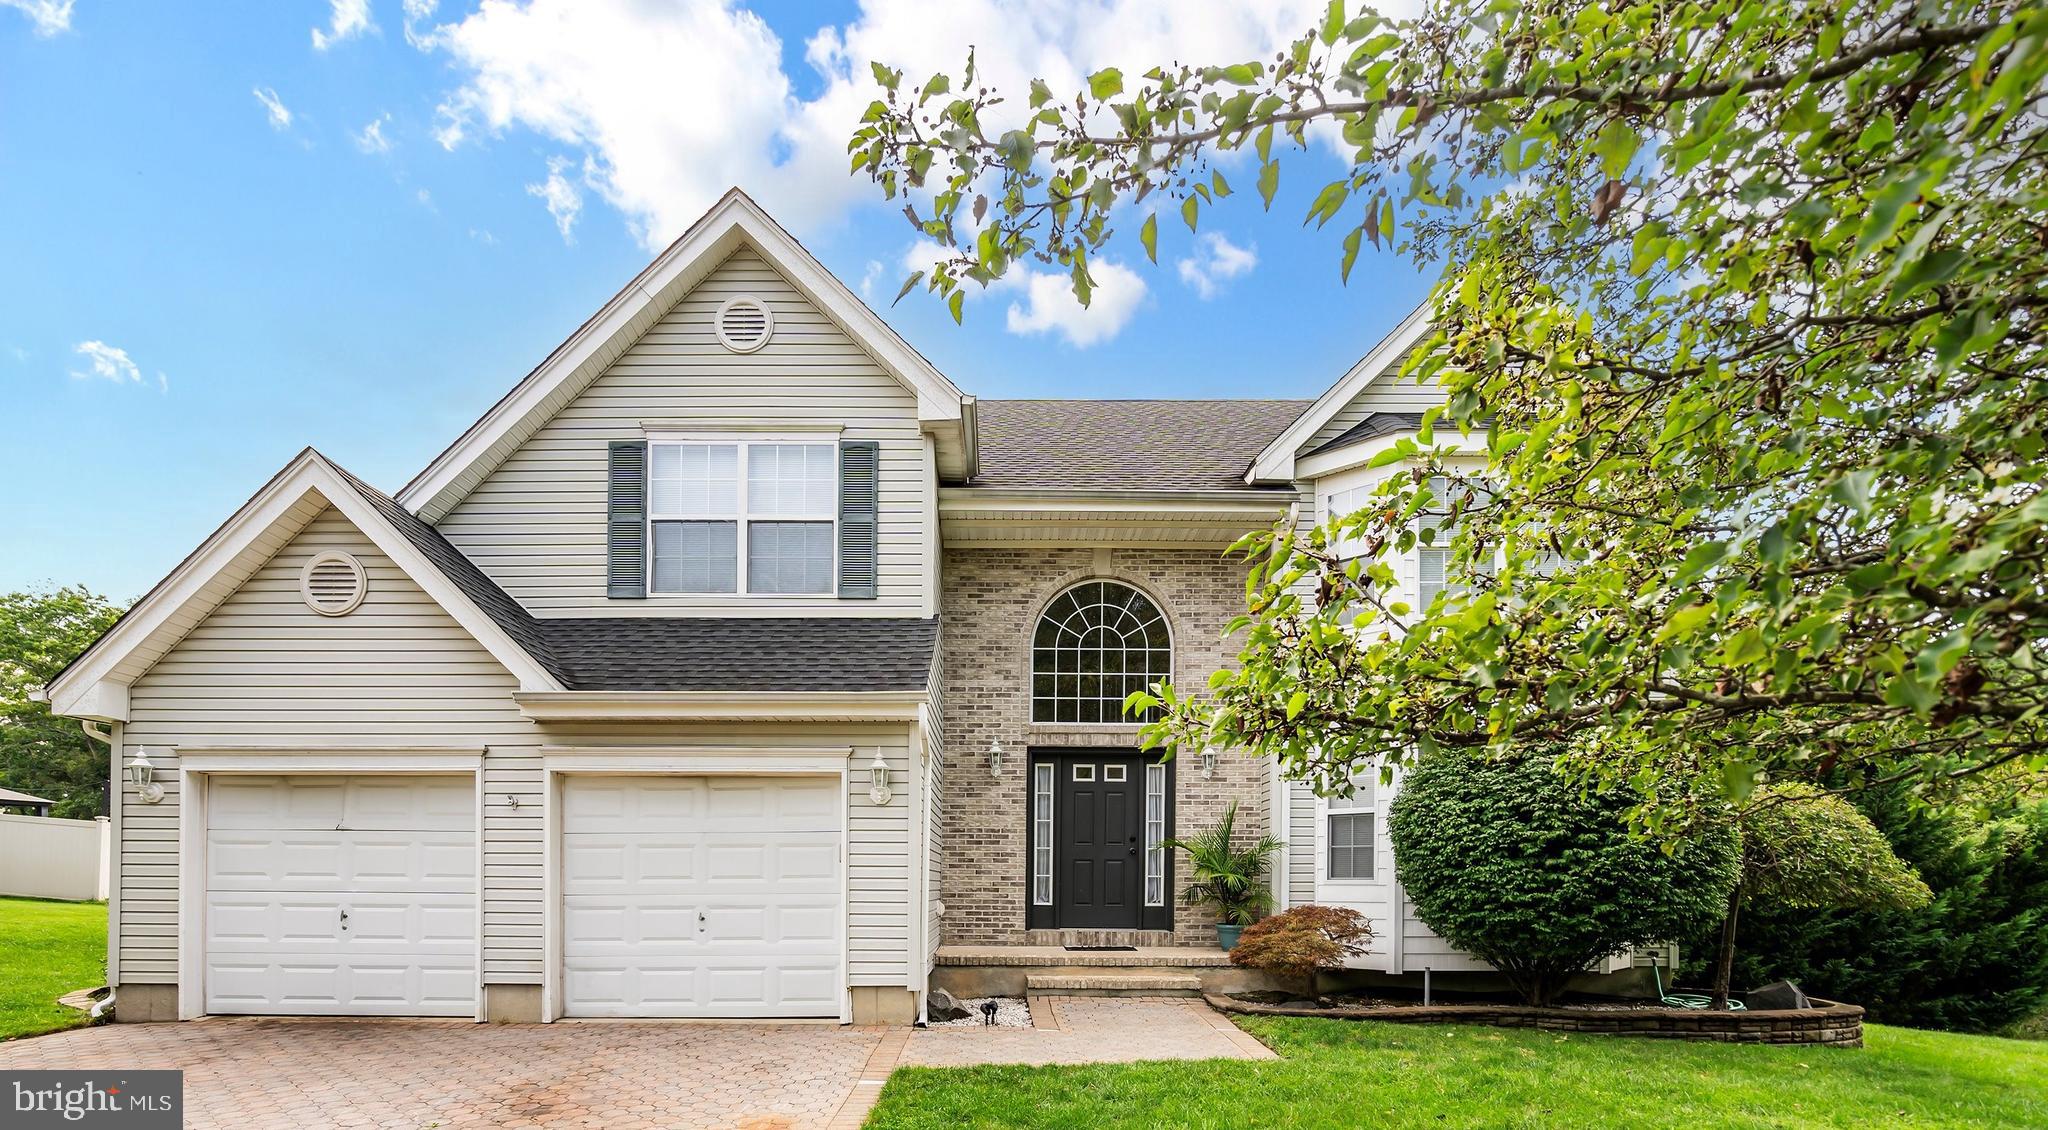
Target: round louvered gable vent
{"x": 333, "y": 584}
{"x": 744, "y": 323}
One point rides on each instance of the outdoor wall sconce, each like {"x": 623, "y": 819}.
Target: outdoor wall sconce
{"x": 143, "y": 774}
{"x": 878, "y": 774}
{"x": 1209, "y": 764}
{"x": 995, "y": 758}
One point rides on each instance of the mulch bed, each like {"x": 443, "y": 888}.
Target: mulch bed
{"x": 1828, "y": 1022}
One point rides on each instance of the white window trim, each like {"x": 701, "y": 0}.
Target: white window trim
{"x": 744, "y": 442}
{"x": 1044, "y": 786}
{"x": 1382, "y": 875}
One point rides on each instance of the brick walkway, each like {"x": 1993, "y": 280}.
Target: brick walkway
{"x": 410, "y": 1074}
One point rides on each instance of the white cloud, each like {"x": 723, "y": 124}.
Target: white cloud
{"x": 483, "y": 236}
{"x": 1049, "y": 304}
{"x": 564, "y": 202}
{"x": 673, "y": 103}
{"x": 371, "y": 139}
{"x": 19, "y": 354}
{"x": 426, "y": 199}
{"x": 868, "y": 279}
{"x": 48, "y": 16}
{"x": 106, "y": 362}
{"x": 1216, "y": 259}
{"x": 280, "y": 116}
{"x": 416, "y": 13}
{"x": 348, "y": 19}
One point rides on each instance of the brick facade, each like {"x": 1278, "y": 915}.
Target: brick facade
{"x": 990, "y": 605}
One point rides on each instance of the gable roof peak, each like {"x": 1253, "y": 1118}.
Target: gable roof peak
{"x": 733, "y": 222}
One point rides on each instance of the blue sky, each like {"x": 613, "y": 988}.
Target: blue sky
{"x": 230, "y": 230}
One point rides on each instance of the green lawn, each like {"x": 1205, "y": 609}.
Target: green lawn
{"x": 1349, "y": 1074}
{"x": 48, "y": 949}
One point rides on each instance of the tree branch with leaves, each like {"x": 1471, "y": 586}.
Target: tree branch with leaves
{"x": 1739, "y": 332}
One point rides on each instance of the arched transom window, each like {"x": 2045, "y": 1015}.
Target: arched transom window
{"x": 1096, "y": 643}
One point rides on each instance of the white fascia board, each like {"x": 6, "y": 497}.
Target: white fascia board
{"x": 88, "y": 684}
{"x": 1326, "y": 463}
{"x": 1276, "y": 462}
{"x": 734, "y": 220}
{"x": 1193, "y": 505}
{"x": 78, "y": 685}
{"x": 745, "y": 706}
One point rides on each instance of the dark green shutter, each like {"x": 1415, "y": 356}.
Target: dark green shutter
{"x": 860, "y": 475}
{"x": 626, "y": 521}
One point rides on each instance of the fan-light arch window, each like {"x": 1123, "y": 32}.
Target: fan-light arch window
{"x": 1096, "y": 643}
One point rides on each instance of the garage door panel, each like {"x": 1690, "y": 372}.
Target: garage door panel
{"x": 304, "y": 917}
{"x": 349, "y": 860}
{"x": 701, "y": 896}
{"x": 288, "y": 984}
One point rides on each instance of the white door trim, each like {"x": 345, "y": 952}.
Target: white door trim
{"x": 561, "y": 761}
{"x": 193, "y": 773}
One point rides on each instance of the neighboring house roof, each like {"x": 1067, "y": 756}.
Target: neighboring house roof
{"x": 1375, "y": 425}
{"x": 9, "y": 798}
{"x": 797, "y": 654}
{"x": 1162, "y": 445}
{"x": 734, "y": 222}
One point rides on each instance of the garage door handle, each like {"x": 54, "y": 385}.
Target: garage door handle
{"x": 344, "y": 918}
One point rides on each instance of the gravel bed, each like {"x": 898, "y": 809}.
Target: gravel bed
{"x": 1011, "y": 1012}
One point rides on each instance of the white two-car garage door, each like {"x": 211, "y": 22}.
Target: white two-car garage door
{"x": 701, "y": 896}
{"x": 341, "y": 895}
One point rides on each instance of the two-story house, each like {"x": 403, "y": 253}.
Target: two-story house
{"x": 735, "y": 664}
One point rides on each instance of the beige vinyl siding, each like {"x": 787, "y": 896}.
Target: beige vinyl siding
{"x": 1301, "y": 844}
{"x": 935, "y": 850}
{"x": 1388, "y": 392}
{"x": 878, "y": 859}
{"x": 536, "y": 523}
{"x": 398, "y": 671}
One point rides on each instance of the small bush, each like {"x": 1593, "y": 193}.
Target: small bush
{"x": 1512, "y": 862}
{"x": 1300, "y": 941}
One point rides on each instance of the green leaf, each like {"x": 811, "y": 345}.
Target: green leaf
{"x": 1106, "y": 83}
{"x": 1853, "y": 491}
{"x": 1149, "y": 236}
{"x": 955, "y": 303}
{"x": 1333, "y": 23}
{"x": 1616, "y": 146}
{"x": 915, "y": 278}
{"x": 1040, "y": 93}
{"x": 1295, "y": 702}
{"x": 1269, "y": 181}
{"x": 1188, "y": 210}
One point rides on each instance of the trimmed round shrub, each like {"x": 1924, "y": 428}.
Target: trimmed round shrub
{"x": 1513, "y": 863}
{"x": 1298, "y": 942}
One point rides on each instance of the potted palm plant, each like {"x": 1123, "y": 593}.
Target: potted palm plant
{"x": 1228, "y": 876}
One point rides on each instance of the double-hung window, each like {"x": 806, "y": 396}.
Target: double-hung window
{"x": 1349, "y": 826}
{"x": 742, "y": 516}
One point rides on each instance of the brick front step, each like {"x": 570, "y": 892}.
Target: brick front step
{"x": 1114, "y": 984}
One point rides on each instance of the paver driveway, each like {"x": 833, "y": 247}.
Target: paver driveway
{"x": 414, "y": 1074}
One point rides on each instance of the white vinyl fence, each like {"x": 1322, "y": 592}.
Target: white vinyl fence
{"x": 54, "y": 859}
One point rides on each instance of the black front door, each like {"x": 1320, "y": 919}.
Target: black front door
{"x": 1100, "y": 863}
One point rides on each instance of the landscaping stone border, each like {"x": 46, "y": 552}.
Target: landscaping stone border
{"x": 1828, "y": 1023}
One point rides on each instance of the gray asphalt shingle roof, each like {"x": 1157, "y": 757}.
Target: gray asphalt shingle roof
{"x": 1373, "y": 426}
{"x": 1165, "y": 445}
{"x": 810, "y": 653}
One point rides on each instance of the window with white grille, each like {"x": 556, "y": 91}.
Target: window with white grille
{"x": 742, "y": 516}
{"x": 1041, "y": 833}
{"x": 1096, "y": 643}
{"x": 1155, "y": 832}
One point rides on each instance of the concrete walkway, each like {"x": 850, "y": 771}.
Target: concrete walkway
{"x": 411, "y": 1074}
{"x": 1092, "y": 1030}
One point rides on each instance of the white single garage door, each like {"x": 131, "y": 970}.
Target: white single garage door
{"x": 341, "y": 896}
{"x": 701, "y": 896}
